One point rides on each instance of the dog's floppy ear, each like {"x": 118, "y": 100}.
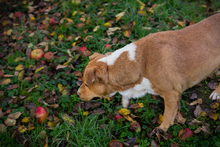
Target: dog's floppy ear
{"x": 96, "y": 74}
{"x": 93, "y": 56}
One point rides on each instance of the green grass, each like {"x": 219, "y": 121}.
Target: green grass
{"x": 92, "y": 130}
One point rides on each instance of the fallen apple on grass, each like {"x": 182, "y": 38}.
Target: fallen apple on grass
{"x": 108, "y": 46}
{"x": 53, "y": 20}
{"x": 17, "y": 14}
{"x": 119, "y": 118}
{"x": 84, "y": 51}
{"x": 48, "y": 56}
{"x": 185, "y": 133}
{"x": 40, "y": 114}
{"x": 37, "y": 54}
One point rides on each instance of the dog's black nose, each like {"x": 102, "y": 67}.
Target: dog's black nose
{"x": 95, "y": 98}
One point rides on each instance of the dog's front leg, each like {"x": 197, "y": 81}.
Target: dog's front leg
{"x": 125, "y": 102}
{"x": 215, "y": 94}
{"x": 171, "y": 106}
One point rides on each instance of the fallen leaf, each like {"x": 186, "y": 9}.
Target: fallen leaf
{"x": 212, "y": 85}
{"x": 160, "y": 120}
{"x": 22, "y": 129}
{"x": 10, "y": 122}
{"x": 198, "y": 101}
{"x": 198, "y": 130}
{"x": 197, "y": 111}
{"x": 98, "y": 111}
{"x": 137, "y": 106}
{"x": 5, "y": 81}
{"x": 206, "y": 129}
{"x": 26, "y": 120}
{"x": 1, "y": 113}
{"x": 42, "y": 134}
{"x": 180, "y": 118}
{"x": 127, "y": 34}
{"x": 15, "y": 115}
{"x": 214, "y": 116}
{"x": 68, "y": 119}
{"x": 107, "y": 24}
{"x": 124, "y": 111}
{"x": 2, "y": 128}
{"x": 142, "y": 13}
{"x": 215, "y": 105}
{"x": 10, "y": 87}
{"x": 193, "y": 96}
{"x": 155, "y": 143}
{"x": 19, "y": 67}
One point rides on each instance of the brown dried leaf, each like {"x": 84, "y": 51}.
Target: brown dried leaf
{"x": 15, "y": 115}
{"x": 127, "y": 34}
{"x": 155, "y": 143}
{"x": 215, "y": 105}
{"x": 214, "y": 116}
{"x": 206, "y": 129}
{"x": 10, "y": 122}
{"x": 198, "y": 130}
{"x": 197, "y": 111}
{"x": 198, "y": 101}
{"x": 115, "y": 40}
{"x": 10, "y": 87}
{"x": 179, "y": 118}
{"x": 1, "y": 113}
{"x": 193, "y": 96}
{"x": 2, "y": 128}
{"x": 212, "y": 85}
{"x": 98, "y": 111}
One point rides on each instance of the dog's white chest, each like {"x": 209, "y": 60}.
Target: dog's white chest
{"x": 139, "y": 90}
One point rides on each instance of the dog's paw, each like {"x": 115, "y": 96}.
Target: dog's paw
{"x": 214, "y": 96}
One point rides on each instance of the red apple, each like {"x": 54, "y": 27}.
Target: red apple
{"x": 108, "y": 46}
{"x": 53, "y": 20}
{"x": 118, "y": 117}
{"x": 84, "y": 51}
{"x": 135, "y": 126}
{"x": 185, "y": 133}
{"x": 40, "y": 114}
{"x": 48, "y": 56}
{"x": 115, "y": 143}
{"x": 37, "y": 54}
{"x": 17, "y": 14}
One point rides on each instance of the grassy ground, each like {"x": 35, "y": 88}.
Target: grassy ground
{"x": 54, "y": 84}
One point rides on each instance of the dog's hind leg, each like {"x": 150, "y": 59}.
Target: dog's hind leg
{"x": 171, "y": 100}
{"x": 215, "y": 94}
{"x": 125, "y": 102}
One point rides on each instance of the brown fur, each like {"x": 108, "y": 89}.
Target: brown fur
{"x": 172, "y": 61}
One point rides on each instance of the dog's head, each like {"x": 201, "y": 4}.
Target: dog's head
{"x": 95, "y": 80}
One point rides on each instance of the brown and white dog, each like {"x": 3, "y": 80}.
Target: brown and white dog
{"x": 164, "y": 63}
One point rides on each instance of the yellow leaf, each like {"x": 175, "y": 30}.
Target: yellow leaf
{"x": 46, "y": 145}
{"x": 142, "y": 13}
{"x": 69, "y": 20}
{"x": 204, "y": 6}
{"x": 5, "y": 22}
{"x": 21, "y": 76}
{"x": 60, "y": 86}
{"x": 180, "y": 23}
{"x": 160, "y": 120}
{"x": 19, "y": 67}
{"x": 5, "y": 81}
{"x": 61, "y": 37}
{"x": 22, "y": 129}
{"x": 32, "y": 18}
{"x": 26, "y": 120}
{"x": 142, "y": 7}
{"x": 24, "y": 2}
{"x": 86, "y": 113}
{"x": 107, "y": 24}
{"x": 124, "y": 111}
{"x": 52, "y": 34}
{"x": 9, "y": 32}
{"x": 118, "y": 18}
{"x": 140, "y": 2}
{"x": 39, "y": 69}
{"x": 214, "y": 116}
{"x": 103, "y": 13}
{"x": 82, "y": 19}
{"x": 127, "y": 117}
{"x": 74, "y": 13}
{"x": 68, "y": 119}
{"x": 74, "y": 44}
{"x": 76, "y": 1}
{"x": 151, "y": 10}
{"x": 127, "y": 34}
{"x": 70, "y": 59}
{"x": 50, "y": 124}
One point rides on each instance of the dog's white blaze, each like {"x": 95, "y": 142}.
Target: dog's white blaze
{"x": 139, "y": 90}
{"x": 130, "y": 48}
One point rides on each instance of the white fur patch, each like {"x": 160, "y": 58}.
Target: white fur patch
{"x": 214, "y": 96}
{"x": 130, "y": 48}
{"x": 113, "y": 93}
{"x": 139, "y": 90}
